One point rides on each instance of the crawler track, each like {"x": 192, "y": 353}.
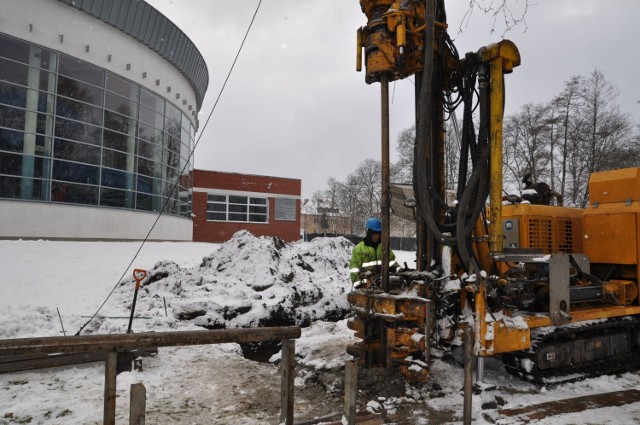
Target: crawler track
{"x": 574, "y": 352}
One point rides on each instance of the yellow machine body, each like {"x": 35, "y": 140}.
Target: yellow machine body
{"x": 612, "y": 221}
{"x": 606, "y": 232}
{"x": 548, "y": 228}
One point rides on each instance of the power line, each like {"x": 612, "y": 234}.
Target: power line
{"x": 175, "y": 185}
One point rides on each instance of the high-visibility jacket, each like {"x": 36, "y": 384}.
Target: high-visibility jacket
{"x": 364, "y": 255}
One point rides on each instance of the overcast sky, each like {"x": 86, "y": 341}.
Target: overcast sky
{"x": 295, "y": 106}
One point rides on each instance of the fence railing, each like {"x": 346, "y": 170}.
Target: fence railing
{"x": 114, "y": 343}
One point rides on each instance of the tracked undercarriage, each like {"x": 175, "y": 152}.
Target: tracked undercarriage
{"x": 578, "y": 351}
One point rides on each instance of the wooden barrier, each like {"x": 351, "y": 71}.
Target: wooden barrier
{"x": 114, "y": 343}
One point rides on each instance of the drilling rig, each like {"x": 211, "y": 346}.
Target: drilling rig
{"x": 552, "y": 290}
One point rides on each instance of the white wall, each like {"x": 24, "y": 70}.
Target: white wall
{"x": 31, "y": 220}
{"x": 50, "y": 19}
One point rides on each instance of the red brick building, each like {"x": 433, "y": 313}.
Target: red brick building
{"x": 224, "y": 203}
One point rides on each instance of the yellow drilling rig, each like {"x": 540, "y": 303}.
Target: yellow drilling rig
{"x": 552, "y": 290}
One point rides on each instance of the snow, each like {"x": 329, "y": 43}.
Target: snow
{"x": 215, "y": 384}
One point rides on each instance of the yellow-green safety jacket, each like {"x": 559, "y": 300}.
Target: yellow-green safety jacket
{"x": 364, "y": 255}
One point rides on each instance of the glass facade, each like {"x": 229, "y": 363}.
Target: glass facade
{"x": 71, "y": 132}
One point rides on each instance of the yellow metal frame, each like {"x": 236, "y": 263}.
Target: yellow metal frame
{"x": 502, "y": 57}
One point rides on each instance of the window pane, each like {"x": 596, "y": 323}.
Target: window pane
{"x": 79, "y": 70}
{"x": 258, "y": 218}
{"x": 74, "y": 193}
{"x": 152, "y": 101}
{"x": 13, "y": 72}
{"x": 173, "y": 114}
{"x": 119, "y": 141}
{"x": 172, "y": 159}
{"x": 24, "y": 188}
{"x": 148, "y": 202}
{"x": 217, "y": 216}
{"x": 13, "y": 95}
{"x": 78, "y": 131}
{"x": 14, "y": 49}
{"x": 116, "y": 159}
{"x": 237, "y": 217}
{"x": 117, "y": 179}
{"x": 10, "y": 164}
{"x": 12, "y": 117}
{"x": 152, "y": 118}
{"x": 150, "y": 151}
{"x": 149, "y": 185}
{"x": 174, "y": 144}
{"x": 217, "y": 198}
{"x": 150, "y": 134}
{"x": 122, "y": 87}
{"x": 78, "y": 111}
{"x": 78, "y": 152}
{"x": 17, "y": 96}
{"x": 258, "y": 201}
{"x": 121, "y": 105}
{"x": 237, "y": 208}
{"x": 257, "y": 209}
{"x": 116, "y": 198}
{"x": 11, "y": 140}
{"x": 237, "y": 199}
{"x": 216, "y": 207}
{"x": 149, "y": 168}
{"x": 119, "y": 123}
{"x": 77, "y": 173}
{"x": 78, "y": 90}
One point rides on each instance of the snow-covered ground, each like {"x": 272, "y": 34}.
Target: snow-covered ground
{"x": 234, "y": 284}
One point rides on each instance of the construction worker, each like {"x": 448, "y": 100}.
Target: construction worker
{"x": 368, "y": 252}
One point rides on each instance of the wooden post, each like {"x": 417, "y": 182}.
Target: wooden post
{"x": 138, "y": 404}
{"x": 350, "y": 392}
{"x": 110, "y": 367}
{"x": 287, "y": 372}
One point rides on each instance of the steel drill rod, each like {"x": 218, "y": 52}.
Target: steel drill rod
{"x": 386, "y": 229}
{"x": 120, "y": 342}
{"x": 468, "y": 373}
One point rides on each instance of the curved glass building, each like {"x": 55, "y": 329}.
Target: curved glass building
{"x": 98, "y": 112}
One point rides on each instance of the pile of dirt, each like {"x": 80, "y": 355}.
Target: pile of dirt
{"x": 249, "y": 281}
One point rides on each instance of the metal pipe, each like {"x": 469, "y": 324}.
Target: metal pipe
{"x": 384, "y": 98}
{"x": 480, "y": 369}
{"x": 121, "y": 342}
{"x": 468, "y": 373}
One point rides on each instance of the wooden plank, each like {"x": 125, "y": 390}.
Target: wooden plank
{"x": 19, "y": 363}
{"x": 288, "y": 374}
{"x": 110, "y": 367}
{"x": 138, "y": 404}
{"x": 572, "y": 405}
{"x": 350, "y": 391}
{"x": 132, "y": 341}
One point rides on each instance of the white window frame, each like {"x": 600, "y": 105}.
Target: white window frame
{"x": 227, "y": 205}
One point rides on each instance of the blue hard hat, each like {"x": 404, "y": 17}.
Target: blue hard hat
{"x": 374, "y": 224}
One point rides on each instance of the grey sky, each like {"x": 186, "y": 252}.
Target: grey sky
{"x": 295, "y": 106}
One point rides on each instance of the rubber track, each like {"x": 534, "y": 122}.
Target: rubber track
{"x": 567, "y": 373}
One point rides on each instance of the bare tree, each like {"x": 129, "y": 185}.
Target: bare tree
{"x": 526, "y": 143}
{"x": 606, "y": 130}
{"x": 403, "y": 168}
{"x": 501, "y": 10}
{"x": 565, "y": 104}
